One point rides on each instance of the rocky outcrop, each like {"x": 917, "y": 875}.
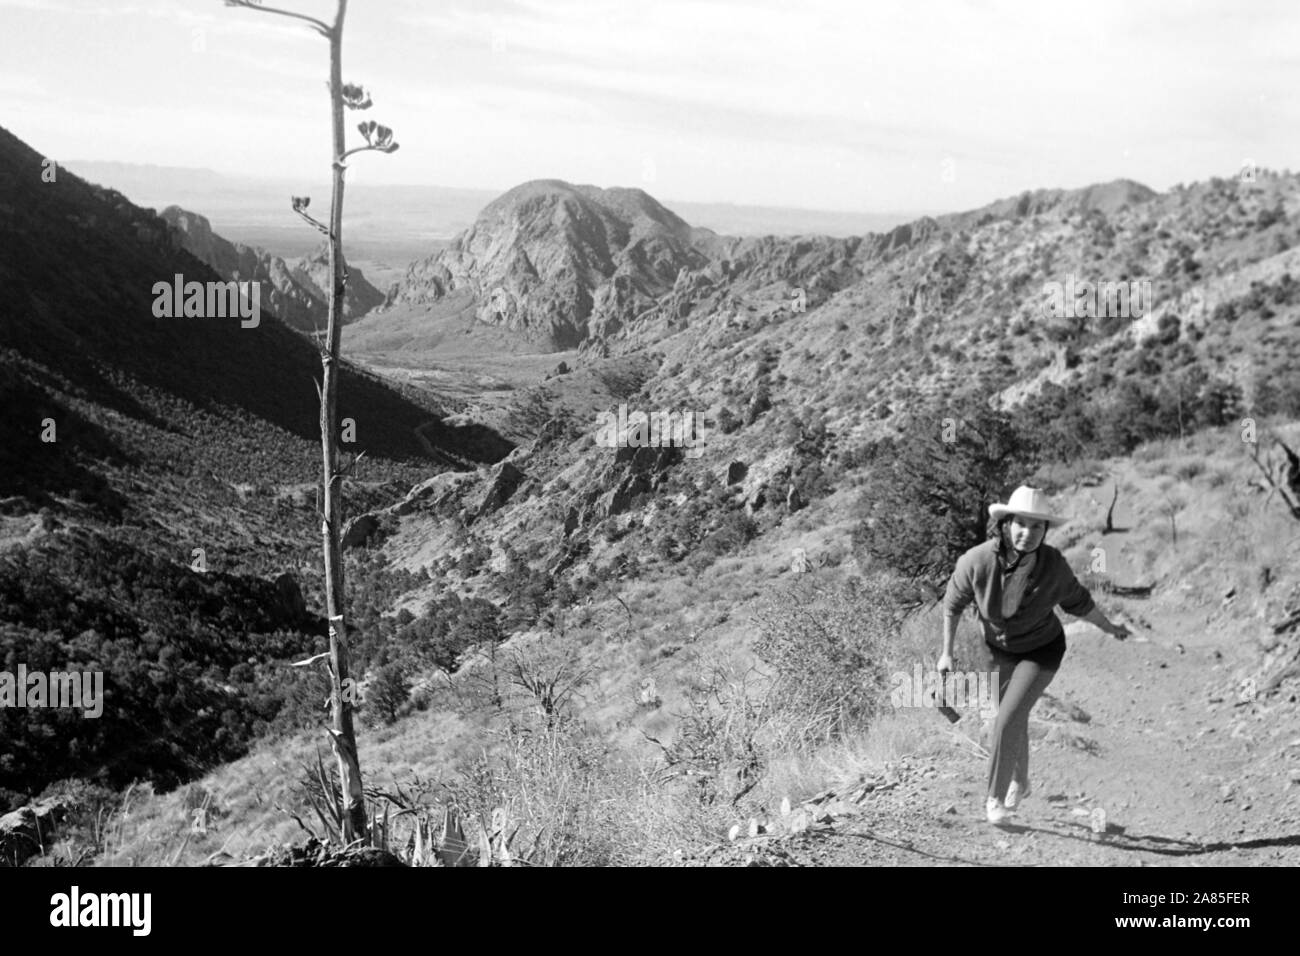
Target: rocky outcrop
{"x": 1106, "y": 198}
{"x": 359, "y": 531}
{"x": 294, "y": 292}
{"x": 359, "y": 295}
{"x": 613, "y": 488}
{"x": 435, "y": 493}
{"x": 27, "y": 830}
{"x": 561, "y": 263}
{"x": 618, "y": 499}
{"x": 505, "y": 479}
{"x": 648, "y": 458}
{"x": 768, "y": 480}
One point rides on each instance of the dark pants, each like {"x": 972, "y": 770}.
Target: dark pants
{"x": 1022, "y": 678}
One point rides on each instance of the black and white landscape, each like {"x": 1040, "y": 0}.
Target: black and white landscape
{"x": 683, "y": 348}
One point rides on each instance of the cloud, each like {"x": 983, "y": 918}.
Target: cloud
{"x": 19, "y": 85}
{"x": 816, "y": 99}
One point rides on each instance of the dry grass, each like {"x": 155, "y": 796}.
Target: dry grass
{"x": 593, "y": 789}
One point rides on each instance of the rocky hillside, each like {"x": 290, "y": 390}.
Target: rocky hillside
{"x": 562, "y": 264}
{"x": 157, "y": 489}
{"x": 800, "y": 355}
{"x": 297, "y": 292}
{"x": 812, "y": 364}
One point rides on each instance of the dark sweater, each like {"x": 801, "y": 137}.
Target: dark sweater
{"x": 978, "y": 577}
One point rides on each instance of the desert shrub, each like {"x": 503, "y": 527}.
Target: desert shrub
{"x": 811, "y": 481}
{"x": 388, "y": 691}
{"x": 559, "y": 783}
{"x": 567, "y": 799}
{"x": 733, "y": 532}
{"x": 1224, "y": 312}
{"x": 1217, "y": 403}
{"x": 722, "y": 741}
{"x": 825, "y": 648}
{"x": 447, "y": 628}
{"x": 820, "y": 676}
{"x": 1278, "y": 395}
{"x": 526, "y": 589}
{"x": 728, "y": 421}
{"x": 1268, "y": 217}
{"x": 926, "y": 500}
{"x": 473, "y": 559}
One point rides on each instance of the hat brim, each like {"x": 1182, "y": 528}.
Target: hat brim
{"x": 999, "y": 512}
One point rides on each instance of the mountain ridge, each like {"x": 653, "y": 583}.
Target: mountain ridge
{"x": 295, "y": 291}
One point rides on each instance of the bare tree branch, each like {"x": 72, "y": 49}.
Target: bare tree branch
{"x": 323, "y": 29}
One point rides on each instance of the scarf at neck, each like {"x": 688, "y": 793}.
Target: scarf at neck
{"x": 1015, "y": 579}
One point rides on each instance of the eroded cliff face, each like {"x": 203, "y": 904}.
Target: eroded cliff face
{"x": 294, "y": 291}
{"x": 562, "y": 264}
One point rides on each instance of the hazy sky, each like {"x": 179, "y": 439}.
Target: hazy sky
{"x": 857, "y": 106}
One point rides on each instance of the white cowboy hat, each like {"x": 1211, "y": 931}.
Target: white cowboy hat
{"x": 1027, "y": 502}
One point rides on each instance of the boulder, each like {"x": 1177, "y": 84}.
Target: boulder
{"x": 505, "y": 479}
{"x": 359, "y": 531}
{"x": 646, "y": 459}
{"x": 764, "y": 479}
{"x": 736, "y": 472}
{"x": 433, "y": 492}
{"x": 618, "y": 500}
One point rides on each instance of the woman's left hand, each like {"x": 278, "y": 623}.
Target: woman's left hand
{"x": 1119, "y": 631}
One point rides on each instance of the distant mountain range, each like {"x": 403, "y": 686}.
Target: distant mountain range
{"x": 399, "y": 224}
{"x": 575, "y": 265}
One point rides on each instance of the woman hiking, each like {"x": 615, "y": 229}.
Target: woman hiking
{"x": 1015, "y": 581}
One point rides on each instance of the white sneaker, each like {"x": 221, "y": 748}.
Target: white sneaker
{"x": 997, "y": 811}
{"x": 1016, "y": 793}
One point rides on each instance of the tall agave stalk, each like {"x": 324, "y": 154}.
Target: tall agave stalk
{"x": 380, "y": 139}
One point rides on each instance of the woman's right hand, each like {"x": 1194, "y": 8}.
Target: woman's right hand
{"x": 944, "y": 664}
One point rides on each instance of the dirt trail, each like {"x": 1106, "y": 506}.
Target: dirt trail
{"x": 1155, "y": 730}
